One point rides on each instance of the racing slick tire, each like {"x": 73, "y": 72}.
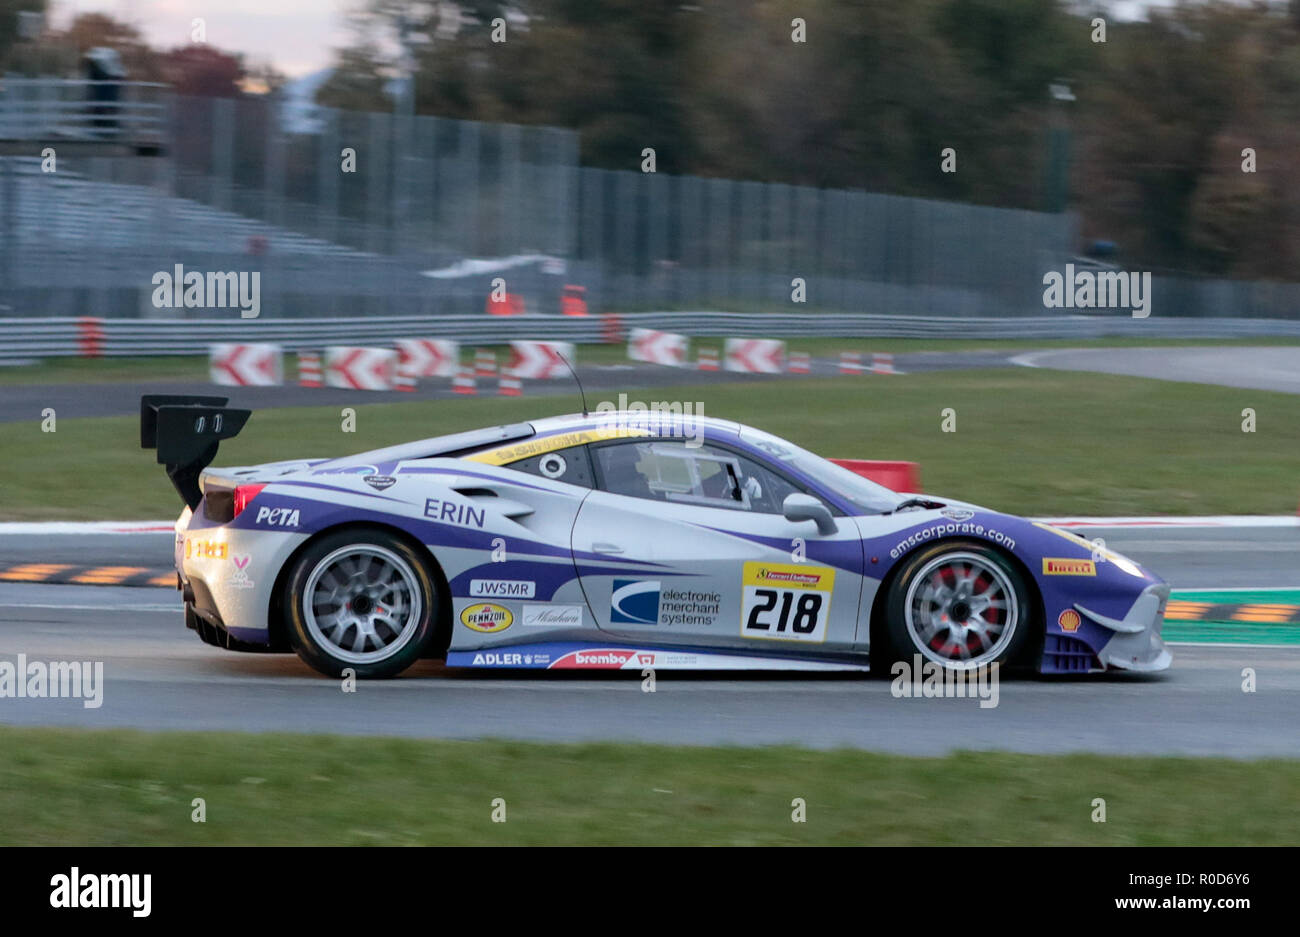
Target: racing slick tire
{"x": 961, "y": 604}
{"x": 360, "y": 600}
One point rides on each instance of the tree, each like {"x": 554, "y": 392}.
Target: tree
{"x": 201, "y": 70}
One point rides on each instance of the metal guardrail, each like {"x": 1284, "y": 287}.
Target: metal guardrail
{"x": 22, "y": 339}
{"x": 53, "y": 110}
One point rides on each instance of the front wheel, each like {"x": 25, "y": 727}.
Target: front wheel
{"x": 360, "y": 600}
{"x": 962, "y": 605}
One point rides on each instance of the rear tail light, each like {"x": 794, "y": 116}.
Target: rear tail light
{"x": 243, "y": 495}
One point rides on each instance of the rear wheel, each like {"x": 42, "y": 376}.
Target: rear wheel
{"x": 961, "y": 605}
{"x": 360, "y": 600}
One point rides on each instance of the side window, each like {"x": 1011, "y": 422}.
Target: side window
{"x": 669, "y": 470}
{"x": 571, "y": 465}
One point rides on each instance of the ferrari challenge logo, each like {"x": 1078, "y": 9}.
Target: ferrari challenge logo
{"x": 1053, "y": 566}
{"x": 487, "y": 617}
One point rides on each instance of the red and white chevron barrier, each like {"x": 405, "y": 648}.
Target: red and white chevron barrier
{"x": 309, "y": 372}
{"x": 539, "y": 360}
{"x": 655, "y": 347}
{"x": 850, "y": 362}
{"x": 800, "y": 362}
{"x": 360, "y": 368}
{"x": 707, "y": 360}
{"x": 755, "y": 355}
{"x": 238, "y": 365}
{"x": 427, "y": 357}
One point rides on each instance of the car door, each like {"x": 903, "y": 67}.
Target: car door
{"x": 686, "y": 545}
{"x": 509, "y": 517}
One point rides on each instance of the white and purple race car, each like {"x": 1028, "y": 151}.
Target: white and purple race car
{"x": 614, "y": 541}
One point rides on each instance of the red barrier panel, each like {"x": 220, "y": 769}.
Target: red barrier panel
{"x": 90, "y": 336}
{"x": 896, "y": 476}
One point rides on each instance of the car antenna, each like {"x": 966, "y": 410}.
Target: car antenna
{"x": 582, "y": 393}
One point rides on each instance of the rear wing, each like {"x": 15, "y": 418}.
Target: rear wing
{"x": 186, "y": 430}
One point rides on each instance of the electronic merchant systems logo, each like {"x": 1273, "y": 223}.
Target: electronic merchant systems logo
{"x": 634, "y": 602}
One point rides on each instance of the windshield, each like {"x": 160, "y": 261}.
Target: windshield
{"x": 864, "y": 493}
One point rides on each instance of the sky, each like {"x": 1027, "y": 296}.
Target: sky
{"x": 296, "y": 36}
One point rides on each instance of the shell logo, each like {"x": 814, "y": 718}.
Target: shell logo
{"x": 1069, "y": 620}
{"x": 487, "y": 617}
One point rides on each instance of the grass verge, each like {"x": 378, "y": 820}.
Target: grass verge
{"x": 132, "y": 788}
{"x": 1027, "y": 441}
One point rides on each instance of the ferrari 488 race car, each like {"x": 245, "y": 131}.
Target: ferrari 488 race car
{"x": 620, "y": 540}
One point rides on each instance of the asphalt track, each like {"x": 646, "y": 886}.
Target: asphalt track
{"x": 159, "y": 676}
{"x": 1259, "y": 368}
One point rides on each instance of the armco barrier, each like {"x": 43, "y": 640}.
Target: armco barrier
{"x": 60, "y": 337}
{"x": 896, "y": 476}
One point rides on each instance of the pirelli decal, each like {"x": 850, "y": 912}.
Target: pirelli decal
{"x": 504, "y": 455}
{"x": 1058, "y": 566}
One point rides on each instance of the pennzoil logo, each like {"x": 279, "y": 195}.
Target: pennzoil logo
{"x": 1069, "y": 621}
{"x": 1058, "y": 566}
{"x": 487, "y": 618}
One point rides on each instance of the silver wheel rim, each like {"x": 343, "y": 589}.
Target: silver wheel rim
{"x": 362, "y": 604}
{"x": 961, "y": 610}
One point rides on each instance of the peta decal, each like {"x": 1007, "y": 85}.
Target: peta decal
{"x": 487, "y": 618}
{"x": 277, "y": 517}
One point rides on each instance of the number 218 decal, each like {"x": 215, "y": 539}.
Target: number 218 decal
{"x": 786, "y": 602}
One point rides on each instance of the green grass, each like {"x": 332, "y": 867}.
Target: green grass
{"x": 1028, "y": 441}
{"x": 118, "y": 788}
{"x": 195, "y": 368}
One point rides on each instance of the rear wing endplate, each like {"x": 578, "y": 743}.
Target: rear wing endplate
{"x": 186, "y": 430}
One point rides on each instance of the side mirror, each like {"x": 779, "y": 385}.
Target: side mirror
{"x": 802, "y": 507}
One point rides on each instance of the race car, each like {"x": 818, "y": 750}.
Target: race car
{"x": 625, "y": 540}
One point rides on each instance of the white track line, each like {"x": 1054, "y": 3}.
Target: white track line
{"x": 86, "y": 527}
{"x": 1153, "y": 523}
